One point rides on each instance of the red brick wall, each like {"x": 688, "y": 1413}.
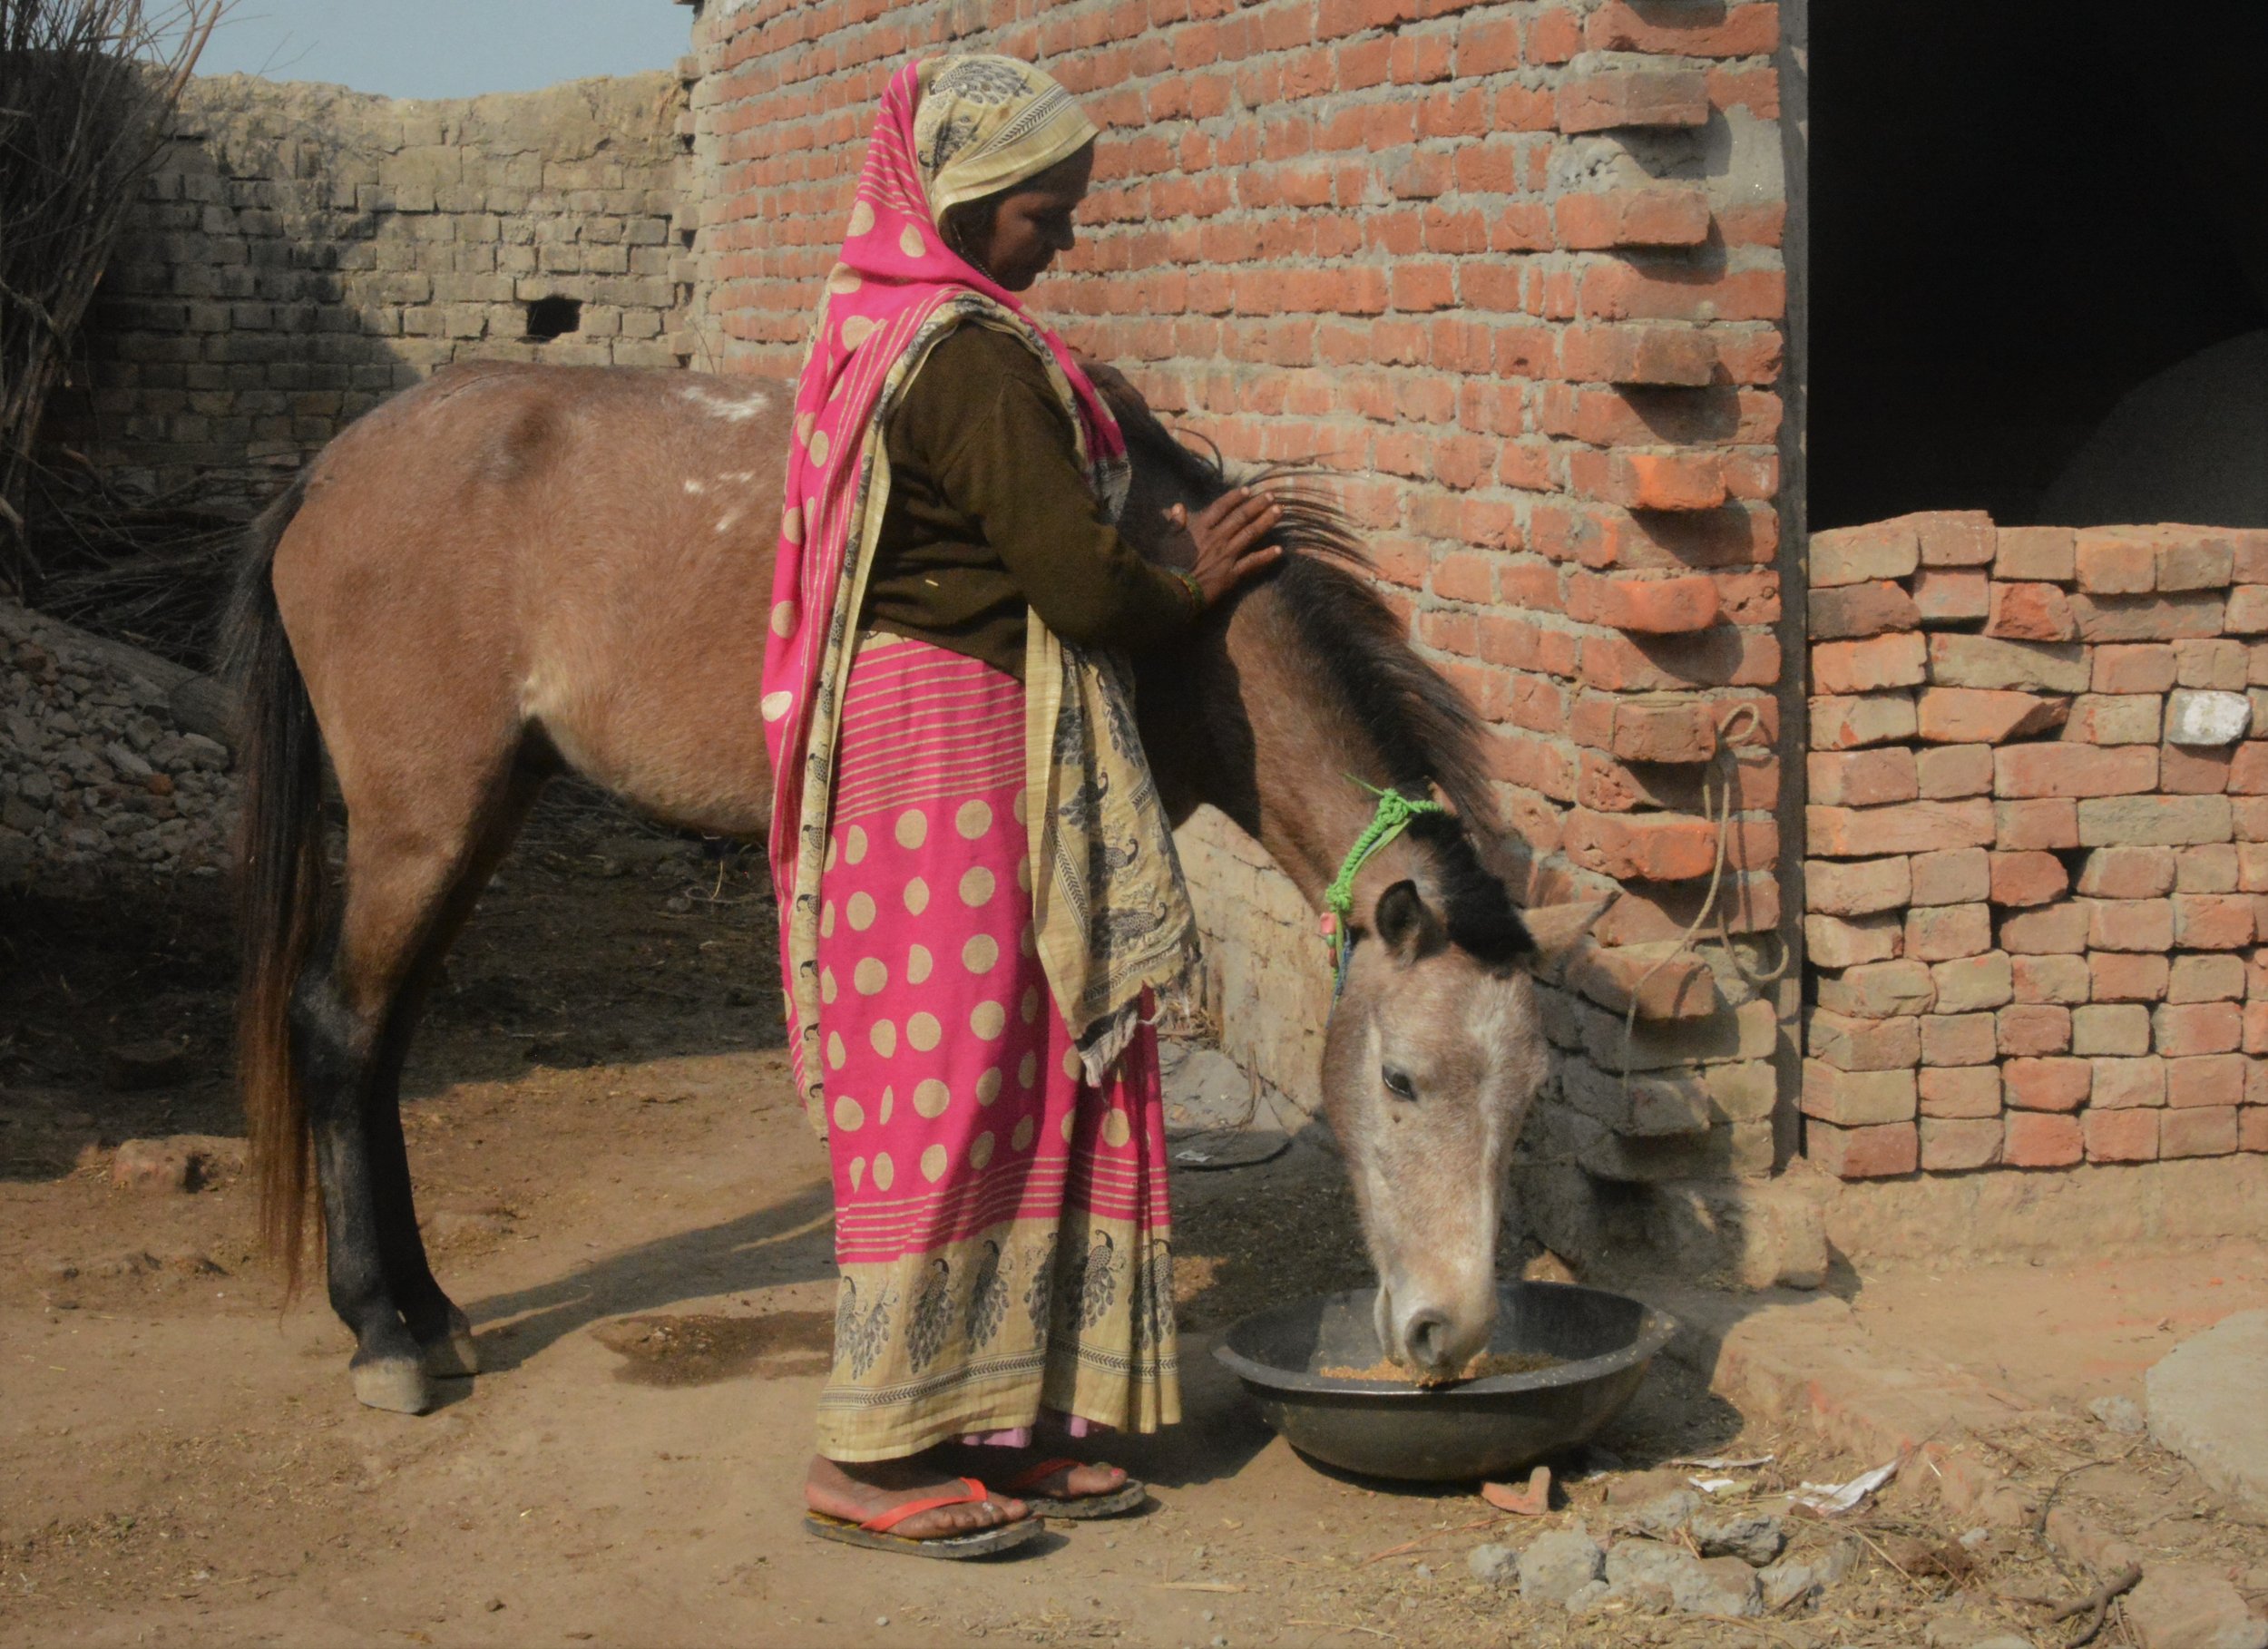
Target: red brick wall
{"x": 2039, "y": 841}
{"x": 1514, "y": 269}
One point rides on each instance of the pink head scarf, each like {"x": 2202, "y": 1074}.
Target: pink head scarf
{"x": 896, "y": 289}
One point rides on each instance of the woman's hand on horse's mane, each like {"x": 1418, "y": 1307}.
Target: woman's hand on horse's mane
{"x": 1229, "y": 533}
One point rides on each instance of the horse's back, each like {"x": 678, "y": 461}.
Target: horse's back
{"x": 582, "y": 553}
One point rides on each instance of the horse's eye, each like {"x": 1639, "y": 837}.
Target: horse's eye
{"x": 1397, "y": 1082}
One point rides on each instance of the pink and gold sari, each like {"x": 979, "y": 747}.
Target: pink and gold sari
{"x": 978, "y": 890}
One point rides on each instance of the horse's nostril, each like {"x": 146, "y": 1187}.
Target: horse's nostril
{"x": 1427, "y": 1337}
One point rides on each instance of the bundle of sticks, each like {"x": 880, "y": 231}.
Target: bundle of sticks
{"x": 87, "y": 93}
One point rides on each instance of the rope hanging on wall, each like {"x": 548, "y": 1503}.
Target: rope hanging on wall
{"x": 1740, "y": 736}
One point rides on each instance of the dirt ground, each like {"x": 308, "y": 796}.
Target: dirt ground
{"x": 2065, "y": 1333}
{"x": 618, "y": 1187}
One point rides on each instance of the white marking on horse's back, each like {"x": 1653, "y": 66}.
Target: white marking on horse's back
{"x": 695, "y": 488}
{"x": 725, "y": 521}
{"x": 732, "y": 409}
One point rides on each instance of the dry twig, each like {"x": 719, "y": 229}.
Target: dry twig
{"x": 91, "y": 90}
{"x": 1411, "y": 1546}
{"x": 2095, "y": 1606}
{"x": 2040, "y": 1521}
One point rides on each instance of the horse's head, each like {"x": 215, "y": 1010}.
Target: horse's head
{"x": 1436, "y": 1047}
{"x": 1435, "y": 1053}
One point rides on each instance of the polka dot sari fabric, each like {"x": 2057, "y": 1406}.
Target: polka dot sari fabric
{"x": 894, "y": 290}
{"x": 1002, "y": 1226}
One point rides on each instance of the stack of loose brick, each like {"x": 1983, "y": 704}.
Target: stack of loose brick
{"x": 2037, "y": 874}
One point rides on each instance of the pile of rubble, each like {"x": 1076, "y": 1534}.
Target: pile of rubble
{"x": 1669, "y": 1550}
{"x": 1821, "y": 1562}
{"x": 109, "y": 756}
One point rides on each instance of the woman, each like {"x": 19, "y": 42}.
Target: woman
{"x": 978, "y": 890}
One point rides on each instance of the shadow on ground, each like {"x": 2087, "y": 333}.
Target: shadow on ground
{"x": 790, "y": 1242}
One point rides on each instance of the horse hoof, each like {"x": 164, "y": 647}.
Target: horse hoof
{"x": 456, "y": 1357}
{"x": 395, "y": 1383}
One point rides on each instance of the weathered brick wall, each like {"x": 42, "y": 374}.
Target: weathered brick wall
{"x": 303, "y": 251}
{"x": 2038, "y": 840}
{"x": 1266, "y": 984}
{"x": 1513, "y": 269}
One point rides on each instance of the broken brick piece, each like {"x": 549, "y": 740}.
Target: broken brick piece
{"x": 1854, "y": 612}
{"x": 2030, "y": 612}
{"x": 1988, "y": 716}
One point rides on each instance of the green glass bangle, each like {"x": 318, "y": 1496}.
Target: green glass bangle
{"x": 1195, "y": 590}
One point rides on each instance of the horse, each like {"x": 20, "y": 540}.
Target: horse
{"x": 507, "y": 572}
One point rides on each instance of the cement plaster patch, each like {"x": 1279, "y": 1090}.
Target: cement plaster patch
{"x": 2204, "y": 1405}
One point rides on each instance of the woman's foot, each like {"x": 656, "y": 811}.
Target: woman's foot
{"x": 860, "y": 1491}
{"x": 1071, "y": 1480}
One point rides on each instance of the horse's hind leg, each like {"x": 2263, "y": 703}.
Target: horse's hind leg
{"x": 335, "y": 1040}
{"x": 443, "y": 1331}
{"x": 414, "y": 861}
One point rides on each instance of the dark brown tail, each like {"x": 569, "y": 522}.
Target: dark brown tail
{"x": 280, "y": 880}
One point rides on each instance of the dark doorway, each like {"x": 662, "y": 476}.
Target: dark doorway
{"x": 2022, "y": 212}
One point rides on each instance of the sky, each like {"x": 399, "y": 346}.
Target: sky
{"x": 446, "y": 48}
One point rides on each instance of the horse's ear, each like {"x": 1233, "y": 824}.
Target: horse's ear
{"x": 1560, "y": 931}
{"x": 1406, "y": 925}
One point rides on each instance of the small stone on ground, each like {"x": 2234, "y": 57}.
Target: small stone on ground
{"x": 1557, "y": 1565}
{"x": 151, "y": 1164}
{"x": 1696, "y": 1585}
{"x": 1493, "y": 1565}
{"x": 1755, "y": 1538}
{"x": 1791, "y": 1578}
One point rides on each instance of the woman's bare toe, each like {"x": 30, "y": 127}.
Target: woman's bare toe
{"x": 1079, "y": 1483}
{"x": 947, "y": 1520}
{"x": 862, "y": 1492}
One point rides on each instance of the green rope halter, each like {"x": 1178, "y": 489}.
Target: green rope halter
{"x": 1393, "y": 817}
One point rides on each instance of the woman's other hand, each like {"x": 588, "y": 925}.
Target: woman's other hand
{"x": 1229, "y": 533}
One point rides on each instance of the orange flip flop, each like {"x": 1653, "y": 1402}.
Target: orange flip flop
{"x": 1123, "y": 1499}
{"x": 875, "y": 1532}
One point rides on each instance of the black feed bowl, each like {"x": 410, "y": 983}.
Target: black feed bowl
{"x": 1477, "y": 1428}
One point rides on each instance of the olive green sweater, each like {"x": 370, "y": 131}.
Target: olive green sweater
{"x": 990, "y": 516}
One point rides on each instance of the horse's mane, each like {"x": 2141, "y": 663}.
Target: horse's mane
{"x": 1421, "y": 725}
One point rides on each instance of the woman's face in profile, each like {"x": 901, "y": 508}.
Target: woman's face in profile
{"x": 1032, "y": 222}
